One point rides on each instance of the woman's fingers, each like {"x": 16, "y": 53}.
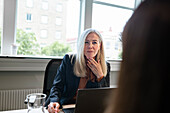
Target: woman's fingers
{"x": 53, "y": 107}
{"x": 92, "y": 61}
{"x": 95, "y": 67}
{"x": 92, "y": 67}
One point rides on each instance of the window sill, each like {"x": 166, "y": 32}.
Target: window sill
{"x": 13, "y": 63}
{"x": 115, "y": 65}
{"x": 26, "y": 63}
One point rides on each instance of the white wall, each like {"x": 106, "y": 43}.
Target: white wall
{"x": 29, "y": 73}
{"x": 21, "y": 80}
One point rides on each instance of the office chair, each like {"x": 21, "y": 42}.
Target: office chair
{"x": 50, "y": 73}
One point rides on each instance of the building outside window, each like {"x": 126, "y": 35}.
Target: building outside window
{"x": 109, "y": 17}
{"x": 59, "y": 8}
{"x": 63, "y": 19}
{"x": 58, "y": 21}
{"x": 28, "y": 30}
{"x": 58, "y": 35}
{"x": 123, "y": 3}
{"x": 29, "y": 3}
{"x": 44, "y": 19}
{"x": 44, "y": 33}
{"x": 28, "y": 17}
{"x": 45, "y": 5}
{"x": 45, "y": 0}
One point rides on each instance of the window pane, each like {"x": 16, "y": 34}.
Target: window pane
{"x": 44, "y": 5}
{"x": 28, "y": 30}
{"x": 29, "y": 3}
{"x": 59, "y": 7}
{"x": 58, "y": 35}
{"x": 110, "y": 22}
{"x": 58, "y": 21}
{"x": 1, "y": 24}
{"x": 49, "y": 28}
{"x": 28, "y": 17}
{"x": 44, "y": 19}
{"x": 126, "y": 3}
{"x": 44, "y": 33}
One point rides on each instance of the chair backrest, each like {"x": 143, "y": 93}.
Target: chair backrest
{"x": 50, "y": 73}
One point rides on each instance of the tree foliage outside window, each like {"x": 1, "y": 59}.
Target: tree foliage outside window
{"x": 55, "y": 49}
{"x": 28, "y": 45}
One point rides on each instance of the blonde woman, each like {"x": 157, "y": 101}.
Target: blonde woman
{"x": 86, "y": 69}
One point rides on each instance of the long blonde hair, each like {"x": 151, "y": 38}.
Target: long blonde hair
{"x": 80, "y": 64}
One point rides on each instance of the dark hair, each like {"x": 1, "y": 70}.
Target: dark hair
{"x": 144, "y": 80}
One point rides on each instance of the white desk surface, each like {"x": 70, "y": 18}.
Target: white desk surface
{"x": 25, "y": 110}
{"x": 18, "y": 111}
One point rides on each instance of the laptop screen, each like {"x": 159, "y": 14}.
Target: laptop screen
{"x": 92, "y": 100}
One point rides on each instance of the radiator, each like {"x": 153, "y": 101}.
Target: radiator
{"x": 14, "y": 99}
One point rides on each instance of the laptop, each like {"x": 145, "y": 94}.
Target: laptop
{"x": 92, "y": 100}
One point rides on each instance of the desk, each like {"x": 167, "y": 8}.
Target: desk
{"x": 18, "y": 111}
{"x": 25, "y": 110}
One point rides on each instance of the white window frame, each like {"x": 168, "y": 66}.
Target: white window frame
{"x": 9, "y": 21}
{"x": 9, "y": 26}
{"x": 9, "y": 36}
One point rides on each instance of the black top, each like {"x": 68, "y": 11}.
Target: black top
{"x": 66, "y": 82}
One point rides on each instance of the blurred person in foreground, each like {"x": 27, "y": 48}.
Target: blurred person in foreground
{"x": 85, "y": 69}
{"x": 144, "y": 79}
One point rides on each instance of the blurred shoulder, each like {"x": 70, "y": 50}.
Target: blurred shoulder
{"x": 107, "y": 63}
{"x": 69, "y": 57}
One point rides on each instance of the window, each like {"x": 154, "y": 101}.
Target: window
{"x": 1, "y": 24}
{"x": 43, "y": 44}
{"x": 49, "y": 27}
{"x": 44, "y": 34}
{"x": 58, "y": 35}
{"x": 58, "y": 21}
{"x": 123, "y": 3}
{"x": 28, "y": 17}
{"x": 45, "y": 5}
{"x": 44, "y": 19}
{"x": 50, "y": 23}
{"x": 45, "y": 0}
{"x": 29, "y": 3}
{"x": 28, "y": 30}
{"x": 107, "y": 45}
{"x": 110, "y": 20}
{"x": 59, "y": 8}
